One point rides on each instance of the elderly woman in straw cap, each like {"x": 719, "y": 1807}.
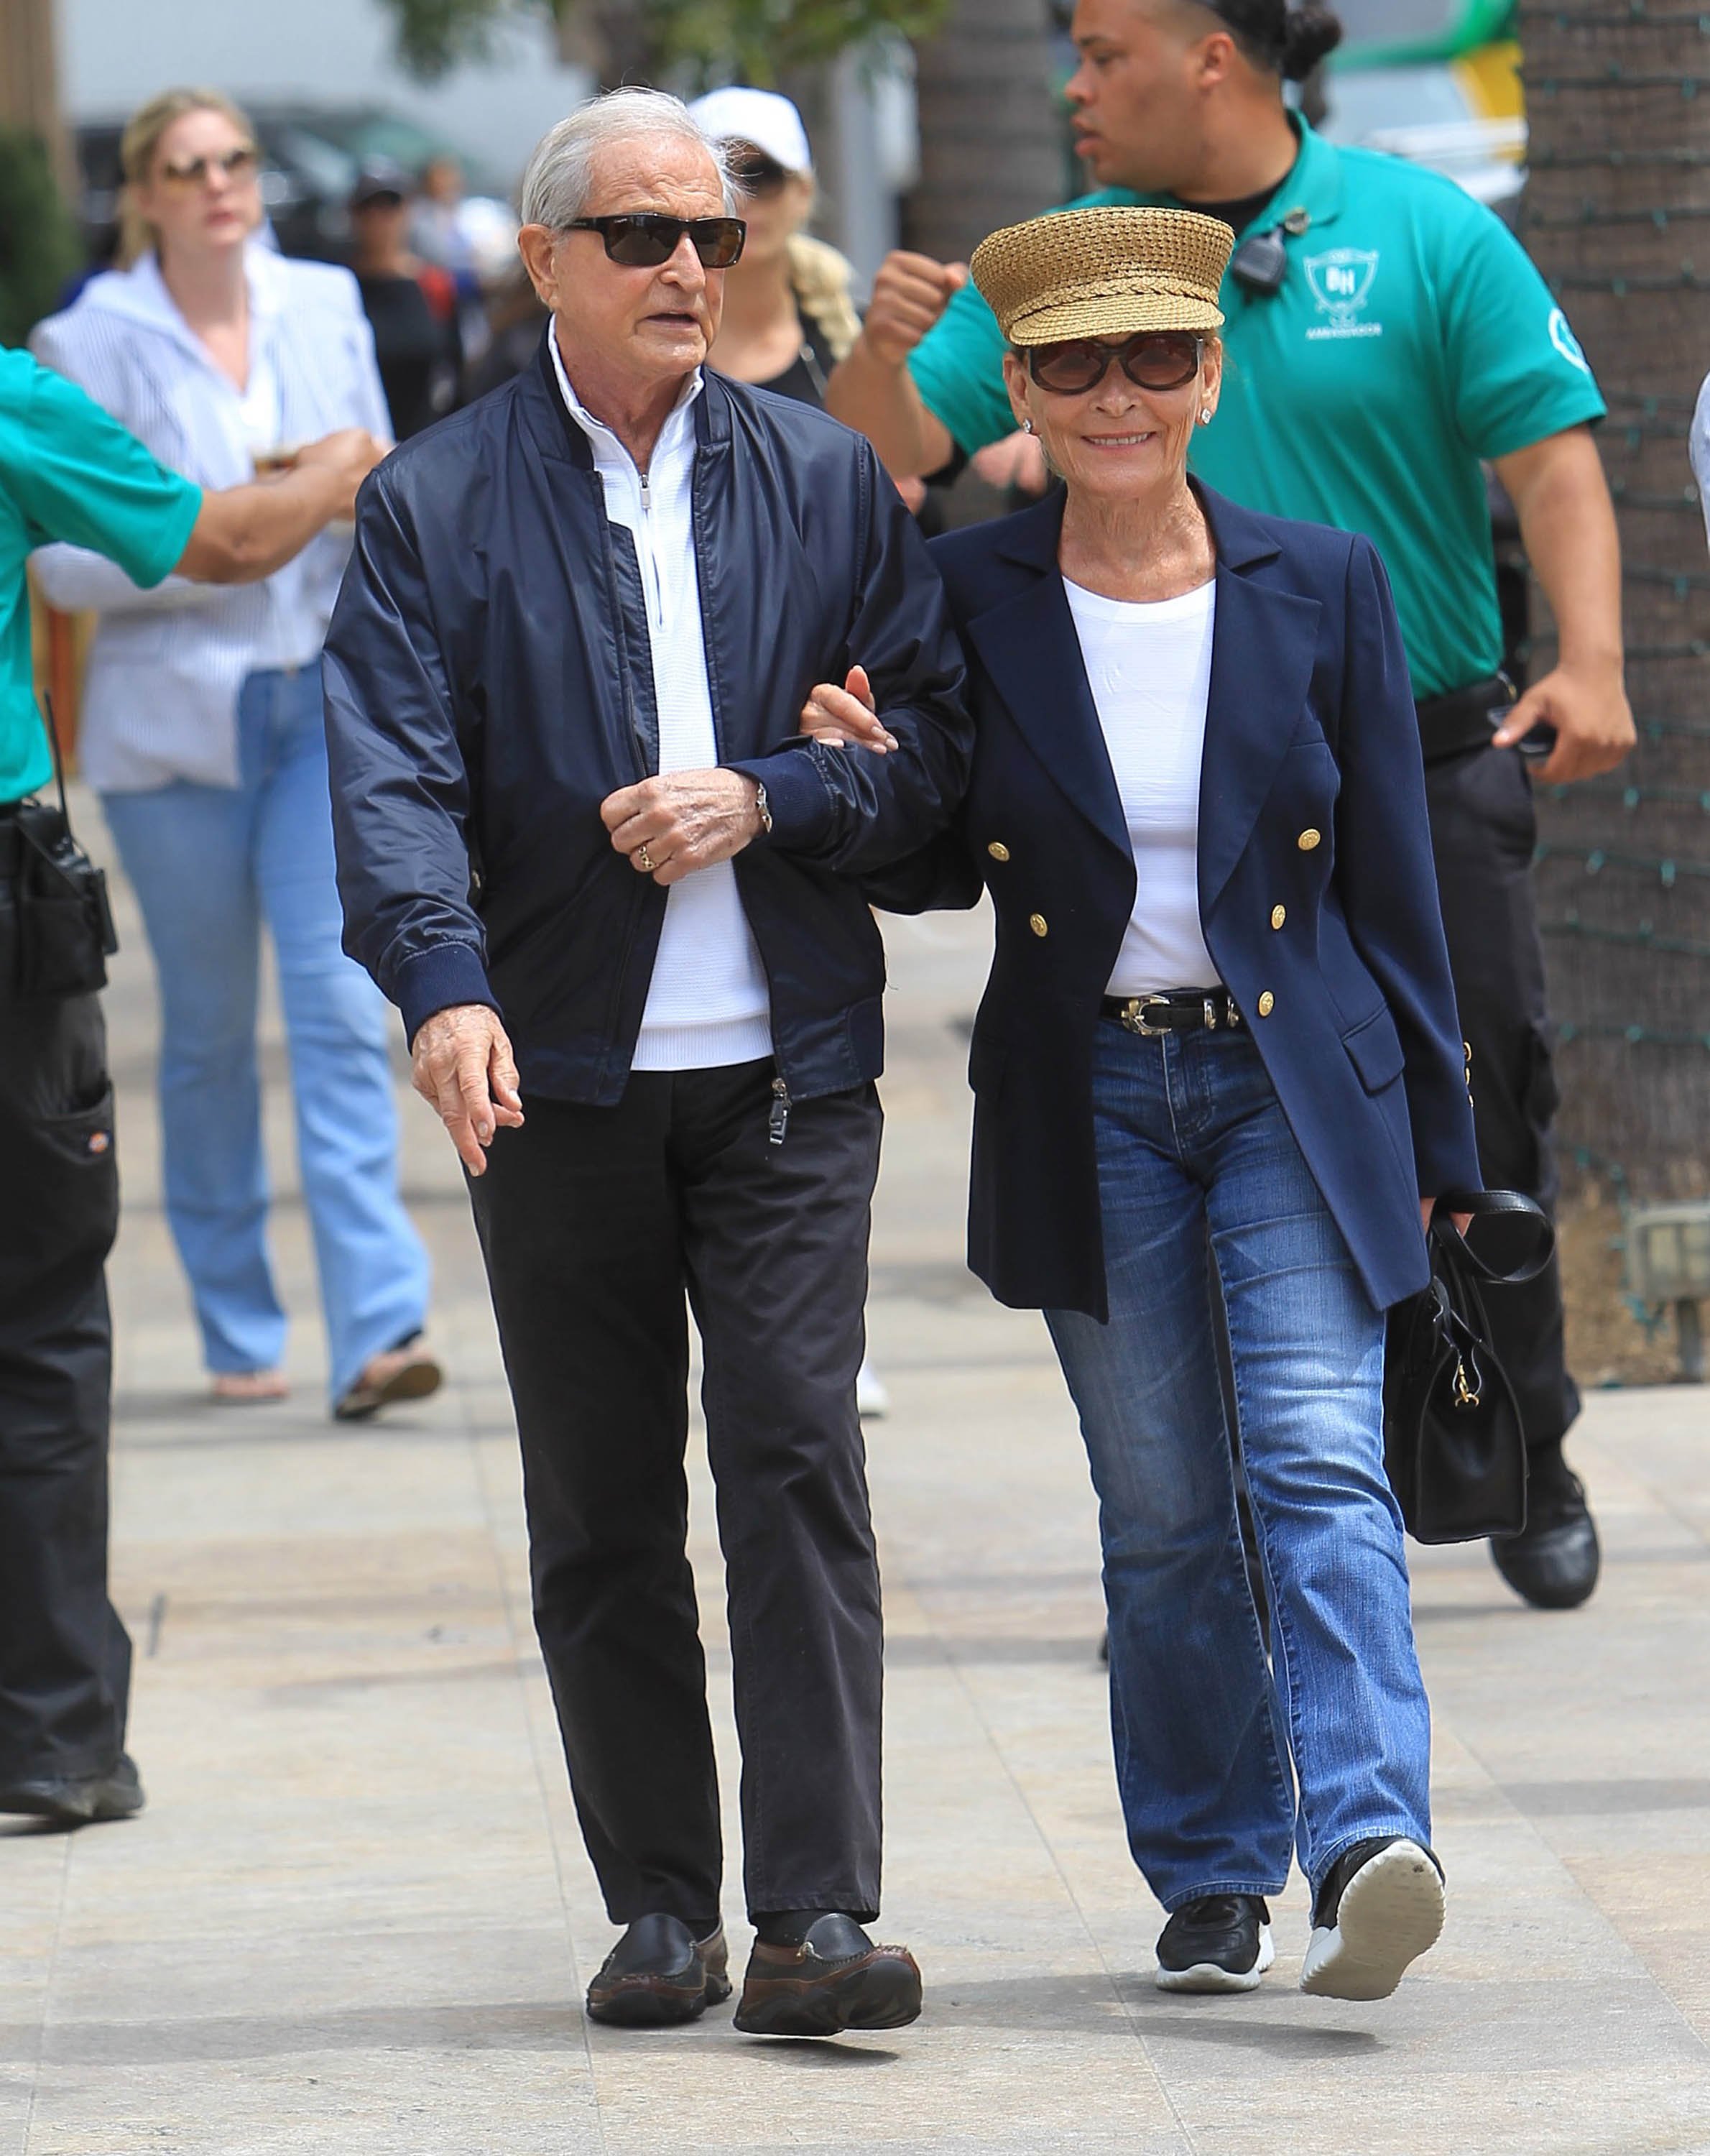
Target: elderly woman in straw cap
{"x": 1219, "y": 1017}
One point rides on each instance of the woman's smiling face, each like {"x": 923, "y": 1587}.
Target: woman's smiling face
{"x": 1116, "y": 440}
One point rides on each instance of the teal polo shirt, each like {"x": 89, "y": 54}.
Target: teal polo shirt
{"x": 1411, "y": 337}
{"x": 68, "y": 470}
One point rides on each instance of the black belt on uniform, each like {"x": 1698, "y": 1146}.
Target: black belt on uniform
{"x": 1464, "y": 719}
{"x": 1183, "y": 1010}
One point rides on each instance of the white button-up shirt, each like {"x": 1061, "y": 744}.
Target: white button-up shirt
{"x": 708, "y": 1003}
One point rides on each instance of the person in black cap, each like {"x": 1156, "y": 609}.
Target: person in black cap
{"x": 411, "y": 307}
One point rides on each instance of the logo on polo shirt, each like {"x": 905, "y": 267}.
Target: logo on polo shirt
{"x": 1565, "y": 342}
{"x": 1340, "y": 282}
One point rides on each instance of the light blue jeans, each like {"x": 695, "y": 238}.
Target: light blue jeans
{"x": 1212, "y": 1743}
{"x": 209, "y": 865}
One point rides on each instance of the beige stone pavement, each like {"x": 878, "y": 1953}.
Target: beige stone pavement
{"x": 355, "y": 1917}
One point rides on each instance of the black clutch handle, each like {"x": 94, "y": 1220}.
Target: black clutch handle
{"x": 1493, "y": 1204}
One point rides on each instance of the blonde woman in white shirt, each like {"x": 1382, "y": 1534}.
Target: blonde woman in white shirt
{"x": 202, "y": 733}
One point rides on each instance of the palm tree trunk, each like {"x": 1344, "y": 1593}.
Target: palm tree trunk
{"x": 29, "y": 85}
{"x": 1617, "y": 214}
{"x": 990, "y": 137}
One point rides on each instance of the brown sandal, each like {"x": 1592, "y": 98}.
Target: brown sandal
{"x": 408, "y": 1372}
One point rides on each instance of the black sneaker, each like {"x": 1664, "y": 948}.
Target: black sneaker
{"x": 1555, "y": 1562}
{"x": 659, "y": 1972}
{"x": 68, "y": 1800}
{"x": 1380, "y": 1907}
{"x": 1220, "y": 1942}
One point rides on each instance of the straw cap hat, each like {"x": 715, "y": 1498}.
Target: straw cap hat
{"x": 1104, "y": 273}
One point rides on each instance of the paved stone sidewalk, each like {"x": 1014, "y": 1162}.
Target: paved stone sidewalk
{"x": 356, "y": 1919}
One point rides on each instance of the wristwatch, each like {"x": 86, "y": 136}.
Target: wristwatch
{"x": 762, "y": 807}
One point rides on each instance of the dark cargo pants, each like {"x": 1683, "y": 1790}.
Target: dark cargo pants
{"x": 64, "y": 1657}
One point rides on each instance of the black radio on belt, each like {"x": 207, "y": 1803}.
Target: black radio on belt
{"x": 1260, "y": 262}
{"x": 63, "y": 925}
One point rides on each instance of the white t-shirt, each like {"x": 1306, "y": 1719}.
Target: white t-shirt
{"x": 1150, "y": 666}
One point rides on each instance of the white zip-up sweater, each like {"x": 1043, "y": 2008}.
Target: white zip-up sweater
{"x": 708, "y": 1003}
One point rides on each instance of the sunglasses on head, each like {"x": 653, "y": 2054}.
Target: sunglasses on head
{"x": 757, "y": 174}
{"x": 238, "y": 164}
{"x": 642, "y": 240}
{"x": 1151, "y": 359}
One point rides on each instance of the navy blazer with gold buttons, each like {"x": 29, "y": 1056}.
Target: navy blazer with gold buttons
{"x": 1318, "y": 895}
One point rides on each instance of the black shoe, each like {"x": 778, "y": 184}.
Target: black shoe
{"x": 78, "y": 1800}
{"x": 1220, "y": 1942}
{"x": 1379, "y": 1907}
{"x": 836, "y": 1978}
{"x": 659, "y": 1972}
{"x": 1553, "y": 1563}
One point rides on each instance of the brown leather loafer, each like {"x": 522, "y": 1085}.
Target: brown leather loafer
{"x": 659, "y": 1972}
{"x": 835, "y": 1979}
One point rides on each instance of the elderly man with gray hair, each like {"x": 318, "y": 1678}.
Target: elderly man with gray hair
{"x": 616, "y": 896}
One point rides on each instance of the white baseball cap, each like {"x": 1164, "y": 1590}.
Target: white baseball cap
{"x": 760, "y": 116}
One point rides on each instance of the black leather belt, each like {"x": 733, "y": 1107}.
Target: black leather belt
{"x": 1183, "y": 1010}
{"x": 1464, "y": 719}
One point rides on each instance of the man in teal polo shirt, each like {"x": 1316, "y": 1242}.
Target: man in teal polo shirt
{"x": 68, "y": 471}
{"x": 1384, "y": 334}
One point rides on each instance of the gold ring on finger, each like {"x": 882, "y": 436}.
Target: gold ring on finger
{"x": 643, "y": 859}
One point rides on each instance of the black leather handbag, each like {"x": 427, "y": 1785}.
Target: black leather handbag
{"x": 1454, "y": 1446}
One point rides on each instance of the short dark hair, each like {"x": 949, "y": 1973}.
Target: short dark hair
{"x": 1284, "y": 40}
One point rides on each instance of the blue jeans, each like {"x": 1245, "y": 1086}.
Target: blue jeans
{"x": 209, "y": 864}
{"x": 1212, "y": 1743}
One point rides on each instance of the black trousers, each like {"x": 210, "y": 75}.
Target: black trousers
{"x": 1483, "y": 832}
{"x": 594, "y": 1223}
{"x": 64, "y": 1657}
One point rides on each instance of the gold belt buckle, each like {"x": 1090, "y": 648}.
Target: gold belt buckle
{"x": 1134, "y": 1016}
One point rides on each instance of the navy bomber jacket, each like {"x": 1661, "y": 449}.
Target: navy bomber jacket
{"x": 489, "y": 684}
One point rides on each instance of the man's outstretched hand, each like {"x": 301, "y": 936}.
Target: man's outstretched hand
{"x": 462, "y": 1065}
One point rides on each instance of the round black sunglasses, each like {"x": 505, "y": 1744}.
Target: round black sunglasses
{"x": 1151, "y": 359}
{"x": 642, "y": 240}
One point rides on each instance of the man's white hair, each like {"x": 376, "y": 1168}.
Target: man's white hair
{"x": 559, "y": 181}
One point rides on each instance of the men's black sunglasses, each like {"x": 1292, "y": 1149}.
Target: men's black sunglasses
{"x": 1151, "y": 359}
{"x": 642, "y": 240}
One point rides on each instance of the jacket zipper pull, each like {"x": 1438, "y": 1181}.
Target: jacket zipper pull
{"x": 778, "y": 1121}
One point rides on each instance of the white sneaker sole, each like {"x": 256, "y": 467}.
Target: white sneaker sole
{"x": 1209, "y": 1976}
{"x": 1391, "y": 1913}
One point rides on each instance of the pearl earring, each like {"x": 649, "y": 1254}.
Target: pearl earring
{"x": 1205, "y": 415}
